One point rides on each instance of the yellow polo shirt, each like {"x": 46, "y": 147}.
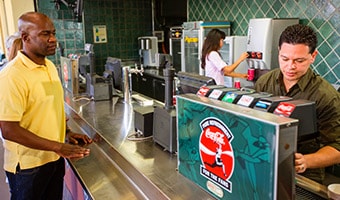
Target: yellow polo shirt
{"x": 33, "y": 95}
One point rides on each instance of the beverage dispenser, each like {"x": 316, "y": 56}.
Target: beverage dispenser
{"x": 148, "y": 48}
{"x": 305, "y": 112}
{"x": 269, "y": 104}
{"x": 262, "y": 44}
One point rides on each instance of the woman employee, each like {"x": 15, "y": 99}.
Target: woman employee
{"x": 212, "y": 61}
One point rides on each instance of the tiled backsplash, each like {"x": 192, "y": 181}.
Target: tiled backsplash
{"x": 69, "y": 33}
{"x": 322, "y": 15}
{"x": 128, "y": 19}
{"x": 125, "y": 21}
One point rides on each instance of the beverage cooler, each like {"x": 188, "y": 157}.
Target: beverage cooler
{"x": 232, "y": 49}
{"x": 192, "y": 42}
{"x": 175, "y": 46}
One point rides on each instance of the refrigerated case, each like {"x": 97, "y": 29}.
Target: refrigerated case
{"x": 192, "y": 42}
{"x": 189, "y": 47}
{"x": 175, "y": 46}
{"x": 232, "y": 49}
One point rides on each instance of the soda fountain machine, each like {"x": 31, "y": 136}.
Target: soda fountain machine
{"x": 97, "y": 87}
{"x": 148, "y": 48}
{"x": 262, "y": 44}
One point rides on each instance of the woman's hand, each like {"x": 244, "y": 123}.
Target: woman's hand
{"x": 243, "y": 56}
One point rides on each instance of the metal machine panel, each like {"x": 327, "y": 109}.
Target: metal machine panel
{"x": 164, "y": 128}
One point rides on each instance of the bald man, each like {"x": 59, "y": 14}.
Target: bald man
{"x": 32, "y": 116}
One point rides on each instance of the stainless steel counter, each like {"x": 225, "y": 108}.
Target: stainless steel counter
{"x": 123, "y": 168}
{"x": 119, "y": 168}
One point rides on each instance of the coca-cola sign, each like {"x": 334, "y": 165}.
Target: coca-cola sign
{"x": 285, "y": 109}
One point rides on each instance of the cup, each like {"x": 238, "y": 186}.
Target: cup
{"x": 333, "y": 191}
{"x": 237, "y": 84}
{"x": 251, "y": 74}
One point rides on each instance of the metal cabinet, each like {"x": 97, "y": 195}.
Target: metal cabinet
{"x": 159, "y": 89}
{"x": 149, "y": 85}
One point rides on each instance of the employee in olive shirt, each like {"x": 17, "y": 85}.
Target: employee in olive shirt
{"x": 295, "y": 78}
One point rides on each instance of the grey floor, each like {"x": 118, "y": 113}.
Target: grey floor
{"x": 4, "y": 190}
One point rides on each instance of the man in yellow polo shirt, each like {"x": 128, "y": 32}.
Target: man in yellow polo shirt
{"x": 32, "y": 116}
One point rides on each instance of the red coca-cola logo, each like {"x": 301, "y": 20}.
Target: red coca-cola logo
{"x": 203, "y": 91}
{"x": 65, "y": 71}
{"x": 216, "y": 152}
{"x": 284, "y": 109}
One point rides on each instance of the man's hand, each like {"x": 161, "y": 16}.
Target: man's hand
{"x": 300, "y": 163}
{"x": 72, "y": 151}
{"x": 79, "y": 139}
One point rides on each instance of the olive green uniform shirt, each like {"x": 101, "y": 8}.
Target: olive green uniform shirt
{"x": 327, "y": 100}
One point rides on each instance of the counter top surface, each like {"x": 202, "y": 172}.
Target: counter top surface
{"x": 122, "y": 166}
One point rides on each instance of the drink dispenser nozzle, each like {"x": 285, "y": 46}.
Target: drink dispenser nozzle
{"x": 141, "y": 50}
{"x": 148, "y": 43}
{"x": 127, "y": 82}
{"x": 262, "y": 65}
{"x": 250, "y": 63}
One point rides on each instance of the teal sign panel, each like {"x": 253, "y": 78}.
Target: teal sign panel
{"x": 228, "y": 155}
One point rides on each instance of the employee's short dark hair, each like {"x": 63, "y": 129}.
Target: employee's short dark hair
{"x": 299, "y": 34}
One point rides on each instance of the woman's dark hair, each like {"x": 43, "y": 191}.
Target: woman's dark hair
{"x": 299, "y": 34}
{"x": 211, "y": 43}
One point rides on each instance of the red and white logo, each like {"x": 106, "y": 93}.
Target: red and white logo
{"x": 216, "y": 152}
{"x": 284, "y": 109}
{"x": 65, "y": 71}
{"x": 203, "y": 91}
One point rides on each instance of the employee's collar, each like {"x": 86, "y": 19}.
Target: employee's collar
{"x": 28, "y": 62}
{"x": 302, "y": 83}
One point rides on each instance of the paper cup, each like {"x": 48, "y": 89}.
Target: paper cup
{"x": 333, "y": 191}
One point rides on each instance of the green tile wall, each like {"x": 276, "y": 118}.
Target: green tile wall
{"x": 125, "y": 21}
{"x": 322, "y": 15}
{"x": 69, "y": 33}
